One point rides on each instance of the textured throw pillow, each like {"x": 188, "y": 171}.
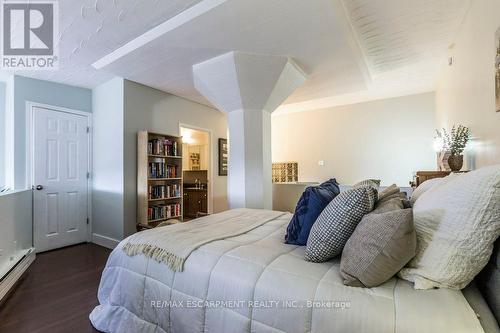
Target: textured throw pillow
{"x": 337, "y": 222}
{"x": 431, "y": 184}
{"x": 391, "y": 198}
{"x": 389, "y": 191}
{"x": 375, "y": 183}
{"x": 457, "y": 223}
{"x": 390, "y": 203}
{"x": 379, "y": 247}
{"x": 424, "y": 187}
{"x": 310, "y": 205}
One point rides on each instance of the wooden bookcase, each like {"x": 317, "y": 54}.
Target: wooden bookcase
{"x": 159, "y": 178}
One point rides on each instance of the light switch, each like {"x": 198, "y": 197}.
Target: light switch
{"x": 321, "y": 163}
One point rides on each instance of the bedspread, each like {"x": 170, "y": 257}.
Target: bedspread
{"x": 256, "y": 283}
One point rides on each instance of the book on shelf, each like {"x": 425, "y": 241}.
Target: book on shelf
{"x": 163, "y": 170}
{"x": 163, "y": 147}
{"x": 159, "y": 177}
{"x": 160, "y": 212}
{"x": 164, "y": 191}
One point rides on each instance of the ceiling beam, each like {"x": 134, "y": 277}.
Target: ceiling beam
{"x": 182, "y": 18}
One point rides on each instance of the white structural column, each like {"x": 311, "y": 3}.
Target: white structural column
{"x": 248, "y": 87}
{"x": 250, "y": 182}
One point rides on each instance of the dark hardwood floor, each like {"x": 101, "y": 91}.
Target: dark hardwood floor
{"x": 57, "y": 293}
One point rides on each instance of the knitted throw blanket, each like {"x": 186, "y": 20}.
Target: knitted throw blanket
{"x": 173, "y": 244}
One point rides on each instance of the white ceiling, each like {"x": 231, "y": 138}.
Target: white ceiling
{"x": 90, "y": 29}
{"x": 351, "y": 50}
{"x": 313, "y": 33}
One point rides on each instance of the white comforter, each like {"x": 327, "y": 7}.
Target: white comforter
{"x": 256, "y": 283}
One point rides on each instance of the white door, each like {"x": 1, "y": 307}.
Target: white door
{"x": 59, "y": 170}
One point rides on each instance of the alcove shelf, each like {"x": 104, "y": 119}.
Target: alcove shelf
{"x": 159, "y": 178}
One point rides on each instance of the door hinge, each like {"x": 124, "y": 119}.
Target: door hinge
{"x": 88, "y": 175}
{"x": 88, "y": 129}
{"x": 87, "y": 220}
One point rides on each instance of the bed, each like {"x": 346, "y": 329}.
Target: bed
{"x": 256, "y": 283}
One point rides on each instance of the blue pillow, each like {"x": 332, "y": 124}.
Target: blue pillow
{"x": 310, "y": 205}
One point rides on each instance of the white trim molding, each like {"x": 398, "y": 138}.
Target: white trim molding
{"x": 8, "y": 136}
{"x": 105, "y": 241}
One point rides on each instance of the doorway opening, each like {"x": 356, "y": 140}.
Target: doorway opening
{"x": 196, "y": 171}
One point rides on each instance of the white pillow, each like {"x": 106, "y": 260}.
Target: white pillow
{"x": 457, "y": 223}
{"x": 429, "y": 184}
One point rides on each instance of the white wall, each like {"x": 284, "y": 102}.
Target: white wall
{"x": 385, "y": 139}
{"x": 466, "y": 90}
{"x": 108, "y": 158}
{"x": 17, "y": 228}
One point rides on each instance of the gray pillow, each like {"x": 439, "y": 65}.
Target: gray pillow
{"x": 389, "y": 191}
{"x": 379, "y": 248}
{"x": 375, "y": 183}
{"x": 337, "y": 222}
{"x": 388, "y": 205}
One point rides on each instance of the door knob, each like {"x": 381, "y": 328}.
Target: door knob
{"x": 39, "y": 187}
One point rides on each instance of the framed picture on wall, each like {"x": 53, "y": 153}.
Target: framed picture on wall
{"x": 223, "y": 156}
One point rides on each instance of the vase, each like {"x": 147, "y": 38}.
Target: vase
{"x": 442, "y": 160}
{"x": 456, "y": 162}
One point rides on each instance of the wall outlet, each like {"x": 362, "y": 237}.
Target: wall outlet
{"x": 321, "y": 163}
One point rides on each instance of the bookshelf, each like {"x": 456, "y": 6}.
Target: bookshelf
{"x": 159, "y": 178}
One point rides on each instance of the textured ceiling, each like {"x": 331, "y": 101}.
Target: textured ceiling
{"x": 399, "y": 34}
{"x": 315, "y": 33}
{"x": 90, "y": 29}
{"x": 404, "y": 44}
{"x": 351, "y": 50}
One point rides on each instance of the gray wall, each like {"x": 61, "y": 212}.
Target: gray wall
{"x": 3, "y": 106}
{"x": 121, "y": 108}
{"x": 107, "y": 174}
{"x": 31, "y": 90}
{"x": 154, "y": 110}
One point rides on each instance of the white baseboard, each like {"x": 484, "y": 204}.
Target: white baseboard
{"x": 10, "y": 280}
{"x": 104, "y": 241}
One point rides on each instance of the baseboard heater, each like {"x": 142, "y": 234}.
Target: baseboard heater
{"x": 9, "y": 279}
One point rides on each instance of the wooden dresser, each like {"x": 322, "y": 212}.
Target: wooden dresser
{"x": 422, "y": 176}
